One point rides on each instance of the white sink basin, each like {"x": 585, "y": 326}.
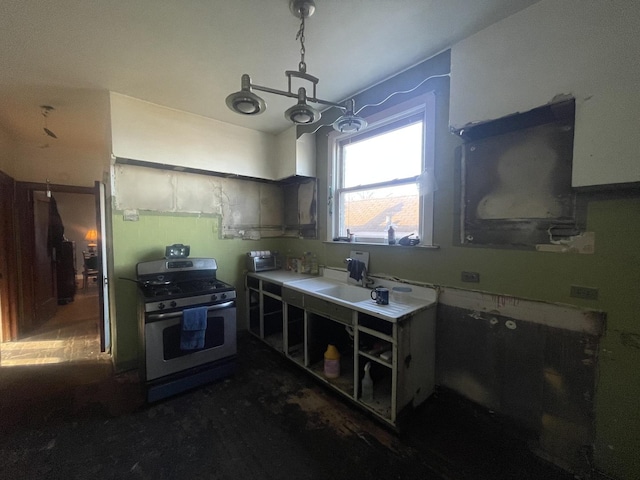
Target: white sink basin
{"x": 347, "y": 293}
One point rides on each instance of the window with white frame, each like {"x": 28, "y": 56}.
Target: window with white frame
{"x": 383, "y": 175}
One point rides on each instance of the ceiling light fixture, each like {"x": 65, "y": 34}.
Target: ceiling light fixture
{"x": 46, "y": 109}
{"x": 246, "y": 102}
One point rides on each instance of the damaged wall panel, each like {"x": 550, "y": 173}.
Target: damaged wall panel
{"x": 515, "y": 179}
{"x": 248, "y": 209}
{"x": 143, "y": 189}
{"x": 581, "y": 48}
{"x": 197, "y": 194}
{"x": 530, "y": 361}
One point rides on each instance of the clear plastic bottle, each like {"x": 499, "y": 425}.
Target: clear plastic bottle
{"x": 391, "y": 235}
{"x": 315, "y": 268}
{"x": 367, "y": 384}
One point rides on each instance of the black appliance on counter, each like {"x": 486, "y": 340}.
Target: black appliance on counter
{"x": 168, "y": 288}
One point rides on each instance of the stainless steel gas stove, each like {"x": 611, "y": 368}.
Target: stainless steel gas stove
{"x": 173, "y": 291}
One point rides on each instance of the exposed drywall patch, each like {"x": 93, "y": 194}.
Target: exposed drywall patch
{"x": 143, "y": 189}
{"x": 240, "y": 206}
{"x": 249, "y": 209}
{"x": 306, "y": 203}
{"x": 583, "y": 243}
{"x": 131, "y": 215}
{"x": 198, "y": 194}
{"x": 564, "y": 317}
{"x": 271, "y": 205}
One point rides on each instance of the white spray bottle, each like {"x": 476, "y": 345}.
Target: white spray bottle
{"x": 367, "y": 384}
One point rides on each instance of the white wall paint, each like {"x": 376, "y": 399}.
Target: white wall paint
{"x": 64, "y": 166}
{"x": 587, "y": 49}
{"x": 152, "y": 133}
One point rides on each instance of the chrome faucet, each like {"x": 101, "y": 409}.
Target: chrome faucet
{"x": 366, "y": 281}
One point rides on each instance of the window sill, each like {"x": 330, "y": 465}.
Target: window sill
{"x": 373, "y": 244}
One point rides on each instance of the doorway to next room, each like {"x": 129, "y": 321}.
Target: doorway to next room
{"x": 66, "y": 301}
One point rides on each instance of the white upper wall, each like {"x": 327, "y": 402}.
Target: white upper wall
{"x": 153, "y": 133}
{"x": 64, "y": 166}
{"x": 587, "y": 49}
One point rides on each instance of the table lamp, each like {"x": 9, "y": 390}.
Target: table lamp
{"x": 91, "y": 237}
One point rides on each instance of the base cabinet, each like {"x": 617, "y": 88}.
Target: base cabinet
{"x": 401, "y": 354}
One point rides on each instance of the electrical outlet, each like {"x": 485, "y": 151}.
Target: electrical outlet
{"x": 588, "y": 293}
{"x": 472, "y": 277}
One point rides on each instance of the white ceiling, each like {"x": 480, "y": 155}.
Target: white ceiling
{"x": 189, "y": 55}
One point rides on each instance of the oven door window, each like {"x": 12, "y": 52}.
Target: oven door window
{"x": 214, "y": 337}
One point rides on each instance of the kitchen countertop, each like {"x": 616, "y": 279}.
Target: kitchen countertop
{"x": 419, "y": 299}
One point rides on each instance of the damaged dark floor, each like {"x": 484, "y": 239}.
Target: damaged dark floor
{"x": 269, "y": 421}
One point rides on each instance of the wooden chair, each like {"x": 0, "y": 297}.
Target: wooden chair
{"x": 90, "y": 268}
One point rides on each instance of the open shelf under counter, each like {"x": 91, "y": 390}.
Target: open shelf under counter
{"x": 344, "y": 383}
{"x": 275, "y": 341}
{"x": 299, "y": 321}
{"x": 296, "y": 353}
{"x": 381, "y": 403}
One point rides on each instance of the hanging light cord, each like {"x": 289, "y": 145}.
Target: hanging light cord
{"x": 401, "y": 91}
{"x": 388, "y": 97}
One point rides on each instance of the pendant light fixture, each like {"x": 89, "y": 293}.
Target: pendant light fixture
{"x": 46, "y": 109}
{"x": 246, "y": 102}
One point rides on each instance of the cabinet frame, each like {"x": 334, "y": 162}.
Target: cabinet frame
{"x": 411, "y": 375}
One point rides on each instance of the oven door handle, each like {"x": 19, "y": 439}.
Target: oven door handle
{"x": 162, "y": 316}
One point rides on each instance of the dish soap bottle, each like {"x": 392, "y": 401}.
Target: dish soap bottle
{"x": 391, "y": 235}
{"x": 367, "y": 385}
{"x": 332, "y": 362}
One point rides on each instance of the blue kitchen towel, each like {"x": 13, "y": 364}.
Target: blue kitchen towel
{"x": 193, "y": 328}
{"x": 355, "y": 269}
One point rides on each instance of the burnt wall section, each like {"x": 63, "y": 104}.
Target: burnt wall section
{"x": 533, "y": 362}
{"x": 515, "y": 179}
{"x": 247, "y": 208}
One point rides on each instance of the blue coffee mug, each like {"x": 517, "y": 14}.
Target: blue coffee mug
{"x": 380, "y": 295}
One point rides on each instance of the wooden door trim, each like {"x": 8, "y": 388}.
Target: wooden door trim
{"x": 9, "y": 292}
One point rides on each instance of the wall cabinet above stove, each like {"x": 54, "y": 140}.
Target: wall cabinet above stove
{"x": 559, "y": 48}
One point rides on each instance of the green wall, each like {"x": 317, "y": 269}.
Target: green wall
{"x": 614, "y": 269}
{"x": 145, "y": 240}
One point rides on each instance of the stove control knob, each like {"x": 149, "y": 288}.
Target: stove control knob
{"x": 173, "y": 304}
{"x": 214, "y": 297}
{"x": 224, "y": 295}
{"x": 161, "y": 306}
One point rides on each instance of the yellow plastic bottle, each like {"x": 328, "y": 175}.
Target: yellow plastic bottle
{"x": 332, "y": 362}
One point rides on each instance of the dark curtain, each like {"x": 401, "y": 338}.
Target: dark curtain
{"x": 55, "y": 235}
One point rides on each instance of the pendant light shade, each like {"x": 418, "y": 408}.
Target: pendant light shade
{"x": 350, "y": 122}
{"x": 302, "y": 113}
{"x": 245, "y": 101}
